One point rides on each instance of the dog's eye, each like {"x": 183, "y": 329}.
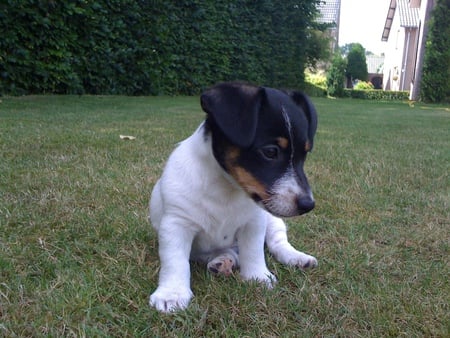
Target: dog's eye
{"x": 270, "y": 152}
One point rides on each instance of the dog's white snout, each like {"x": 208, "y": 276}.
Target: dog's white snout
{"x": 289, "y": 198}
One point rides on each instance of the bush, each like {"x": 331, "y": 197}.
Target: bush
{"x": 315, "y": 84}
{"x": 336, "y": 76}
{"x": 318, "y": 80}
{"x": 363, "y": 85}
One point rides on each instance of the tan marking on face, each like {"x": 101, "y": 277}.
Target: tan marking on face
{"x": 232, "y": 155}
{"x": 307, "y": 146}
{"x": 283, "y": 142}
{"x": 245, "y": 179}
{"x": 249, "y": 183}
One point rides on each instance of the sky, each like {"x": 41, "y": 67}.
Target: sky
{"x": 363, "y": 21}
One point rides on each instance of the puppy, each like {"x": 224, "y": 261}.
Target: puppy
{"x": 224, "y": 188}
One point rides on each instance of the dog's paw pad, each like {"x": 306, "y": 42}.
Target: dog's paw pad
{"x": 221, "y": 265}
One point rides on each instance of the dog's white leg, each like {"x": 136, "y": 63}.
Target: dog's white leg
{"x": 175, "y": 241}
{"x": 251, "y": 253}
{"x": 281, "y": 249}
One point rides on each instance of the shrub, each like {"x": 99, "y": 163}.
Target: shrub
{"x": 336, "y": 76}
{"x": 315, "y": 84}
{"x": 318, "y": 80}
{"x": 363, "y": 85}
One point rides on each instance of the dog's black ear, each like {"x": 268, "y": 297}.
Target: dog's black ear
{"x": 305, "y": 103}
{"x": 234, "y": 108}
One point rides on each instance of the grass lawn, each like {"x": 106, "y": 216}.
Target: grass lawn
{"x": 78, "y": 258}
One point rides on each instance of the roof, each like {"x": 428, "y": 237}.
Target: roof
{"x": 409, "y": 16}
{"x": 329, "y": 11}
{"x": 389, "y": 19}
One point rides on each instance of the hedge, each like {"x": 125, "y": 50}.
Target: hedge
{"x": 137, "y": 47}
{"x": 314, "y": 90}
{"x": 376, "y": 94}
{"x": 435, "y": 86}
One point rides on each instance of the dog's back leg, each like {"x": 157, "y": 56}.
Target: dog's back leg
{"x": 281, "y": 249}
{"x": 219, "y": 261}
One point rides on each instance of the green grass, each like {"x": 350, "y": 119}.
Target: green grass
{"x": 78, "y": 258}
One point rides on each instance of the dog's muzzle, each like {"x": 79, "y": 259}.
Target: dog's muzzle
{"x": 282, "y": 207}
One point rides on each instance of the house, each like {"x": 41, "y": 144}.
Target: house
{"x": 404, "y": 32}
{"x": 375, "y": 65}
{"x": 329, "y": 13}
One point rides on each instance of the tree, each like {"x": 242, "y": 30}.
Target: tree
{"x": 356, "y": 64}
{"x": 435, "y": 84}
{"x": 336, "y": 76}
{"x": 345, "y": 49}
{"x": 318, "y": 48}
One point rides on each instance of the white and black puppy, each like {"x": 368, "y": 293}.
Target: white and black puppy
{"x": 224, "y": 188}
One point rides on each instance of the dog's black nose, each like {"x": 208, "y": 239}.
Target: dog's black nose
{"x": 305, "y": 204}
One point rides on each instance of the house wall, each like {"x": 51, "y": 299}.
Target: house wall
{"x": 394, "y": 56}
{"x": 424, "y": 6}
{"x": 409, "y": 58}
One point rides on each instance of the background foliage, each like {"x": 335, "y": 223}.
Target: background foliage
{"x": 363, "y": 85}
{"x": 376, "y": 94}
{"x": 356, "y": 63}
{"x": 336, "y": 76}
{"x": 435, "y": 86}
{"x": 153, "y": 47}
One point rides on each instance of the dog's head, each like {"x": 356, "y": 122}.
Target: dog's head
{"x": 260, "y": 137}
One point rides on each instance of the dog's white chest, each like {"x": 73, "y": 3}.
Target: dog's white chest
{"x": 219, "y": 221}
{"x": 195, "y": 188}
{"x": 221, "y": 236}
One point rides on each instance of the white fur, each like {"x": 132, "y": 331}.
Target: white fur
{"x": 197, "y": 210}
{"x": 284, "y": 195}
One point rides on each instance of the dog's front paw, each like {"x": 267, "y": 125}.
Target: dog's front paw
{"x": 265, "y": 278}
{"x": 170, "y": 300}
{"x": 302, "y": 260}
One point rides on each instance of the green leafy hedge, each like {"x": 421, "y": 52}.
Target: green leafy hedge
{"x": 314, "y": 90}
{"x": 152, "y": 47}
{"x": 435, "y": 85}
{"x": 376, "y": 94}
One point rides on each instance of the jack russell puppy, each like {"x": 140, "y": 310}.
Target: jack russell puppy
{"x": 224, "y": 189}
